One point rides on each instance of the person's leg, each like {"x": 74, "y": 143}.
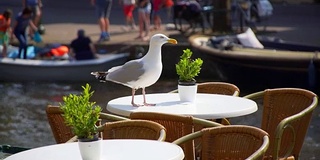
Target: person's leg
{"x": 5, "y": 43}
{"x": 101, "y": 22}
{"x": 146, "y": 18}
{"x": 20, "y": 36}
{"x": 4, "y": 50}
{"x": 130, "y": 17}
{"x": 106, "y": 19}
{"x": 107, "y": 24}
{"x": 126, "y": 9}
{"x": 141, "y": 23}
{"x": 155, "y": 18}
{"x": 147, "y": 26}
{"x": 24, "y": 45}
{"x": 157, "y": 22}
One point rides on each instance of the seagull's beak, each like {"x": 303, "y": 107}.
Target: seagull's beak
{"x": 173, "y": 41}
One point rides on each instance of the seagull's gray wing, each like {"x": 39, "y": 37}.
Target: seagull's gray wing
{"x": 130, "y": 71}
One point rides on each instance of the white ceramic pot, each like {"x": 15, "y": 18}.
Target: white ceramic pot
{"x": 90, "y": 150}
{"x": 187, "y": 93}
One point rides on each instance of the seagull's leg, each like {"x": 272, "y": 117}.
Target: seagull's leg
{"x": 132, "y": 99}
{"x": 144, "y": 98}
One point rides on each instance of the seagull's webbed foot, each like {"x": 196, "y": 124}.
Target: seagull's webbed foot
{"x": 136, "y": 105}
{"x": 148, "y": 104}
{"x": 132, "y": 99}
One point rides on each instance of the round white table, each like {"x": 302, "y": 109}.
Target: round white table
{"x": 123, "y": 149}
{"x": 206, "y": 106}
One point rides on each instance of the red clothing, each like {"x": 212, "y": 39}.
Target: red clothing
{"x": 128, "y": 9}
{"x": 4, "y": 24}
{"x": 168, "y": 3}
{"x": 157, "y": 4}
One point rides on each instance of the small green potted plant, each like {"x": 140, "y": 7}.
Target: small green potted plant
{"x": 187, "y": 69}
{"x": 82, "y": 116}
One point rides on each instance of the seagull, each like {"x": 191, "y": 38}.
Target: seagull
{"x": 139, "y": 73}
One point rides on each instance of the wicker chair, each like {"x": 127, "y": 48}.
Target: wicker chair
{"x": 61, "y": 132}
{"x": 217, "y": 88}
{"x": 133, "y": 129}
{"x": 230, "y": 142}
{"x": 176, "y": 127}
{"x": 286, "y": 116}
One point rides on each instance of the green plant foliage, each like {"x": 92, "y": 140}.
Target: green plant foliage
{"x": 187, "y": 69}
{"x": 81, "y": 114}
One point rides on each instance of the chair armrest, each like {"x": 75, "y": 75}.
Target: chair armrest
{"x": 163, "y": 135}
{"x": 205, "y": 123}
{"x": 255, "y": 96}
{"x": 111, "y": 117}
{"x": 188, "y": 137}
{"x": 236, "y": 93}
{"x": 174, "y": 91}
{"x": 73, "y": 139}
{"x": 263, "y": 148}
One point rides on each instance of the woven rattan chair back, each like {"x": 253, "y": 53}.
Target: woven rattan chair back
{"x": 134, "y": 129}
{"x": 279, "y": 104}
{"x": 230, "y": 142}
{"x": 61, "y": 132}
{"x": 286, "y": 116}
{"x": 176, "y": 127}
{"x": 218, "y": 88}
{"x": 233, "y": 142}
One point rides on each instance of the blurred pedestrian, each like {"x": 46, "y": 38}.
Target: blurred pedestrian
{"x": 157, "y": 5}
{"x": 5, "y": 30}
{"x": 103, "y": 9}
{"x": 82, "y": 47}
{"x": 144, "y": 9}
{"x": 128, "y": 7}
{"x": 22, "y": 21}
{"x": 35, "y": 6}
{"x": 167, "y": 5}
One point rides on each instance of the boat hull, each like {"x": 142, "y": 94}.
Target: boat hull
{"x": 262, "y": 69}
{"x": 20, "y": 70}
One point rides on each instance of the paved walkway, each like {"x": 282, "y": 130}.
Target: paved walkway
{"x": 62, "y": 19}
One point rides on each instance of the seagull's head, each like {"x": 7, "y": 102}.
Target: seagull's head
{"x": 162, "y": 39}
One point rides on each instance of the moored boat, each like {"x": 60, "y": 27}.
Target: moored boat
{"x": 266, "y": 67}
{"x": 19, "y": 70}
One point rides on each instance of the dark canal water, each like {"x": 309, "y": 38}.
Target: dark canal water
{"x": 23, "y": 120}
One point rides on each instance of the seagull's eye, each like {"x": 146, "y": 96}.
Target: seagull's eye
{"x": 161, "y": 37}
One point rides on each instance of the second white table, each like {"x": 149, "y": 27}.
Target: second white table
{"x": 116, "y": 149}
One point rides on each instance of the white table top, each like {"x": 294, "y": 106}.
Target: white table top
{"x": 111, "y": 150}
{"x": 206, "y": 106}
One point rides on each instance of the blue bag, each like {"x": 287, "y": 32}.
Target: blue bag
{"x": 37, "y": 37}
